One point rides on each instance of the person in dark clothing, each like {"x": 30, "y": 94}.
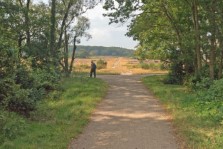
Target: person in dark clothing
{"x": 93, "y": 69}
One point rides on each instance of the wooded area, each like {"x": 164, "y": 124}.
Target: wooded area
{"x": 34, "y": 45}
{"x": 87, "y": 51}
{"x": 188, "y": 34}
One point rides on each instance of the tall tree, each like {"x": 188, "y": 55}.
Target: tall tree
{"x": 53, "y": 31}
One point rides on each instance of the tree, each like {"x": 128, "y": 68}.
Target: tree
{"x": 176, "y": 27}
{"x": 77, "y": 32}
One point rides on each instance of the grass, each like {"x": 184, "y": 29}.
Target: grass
{"x": 115, "y": 65}
{"x": 196, "y": 124}
{"x": 59, "y": 118}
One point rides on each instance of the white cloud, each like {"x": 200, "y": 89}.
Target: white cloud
{"x": 104, "y": 34}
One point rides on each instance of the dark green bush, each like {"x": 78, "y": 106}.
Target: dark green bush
{"x": 24, "y": 77}
{"x": 48, "y": 80}
{"x": 176, "y": 74}
{"x": 215, "y": 91}
{"x": 21, "y": 93}
{"x": 210, "y": 99}
{"x": 198, "y": 83}
{"x": 11, "y": 126}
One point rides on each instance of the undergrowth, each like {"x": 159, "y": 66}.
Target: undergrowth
{"x": 199, "y": 122}
{"x": 57, "y": 119}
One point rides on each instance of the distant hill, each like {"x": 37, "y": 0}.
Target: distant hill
{"x": 87, "y": 51}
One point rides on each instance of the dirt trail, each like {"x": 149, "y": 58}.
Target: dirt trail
{"x": 128, "y": 118}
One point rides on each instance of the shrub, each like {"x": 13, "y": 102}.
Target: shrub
{"x": 176, "y": 75}
{"x": 11, "y": 125}
{"x": 21, "y": 93}
{"x": 215, "y": 92}
{"x": 101, "y": 64}
{"x": 198, "y": 83}
{"x": 24, "y": 77}
{"x": 45, "y": 79}
{"x": 153, "y": 66}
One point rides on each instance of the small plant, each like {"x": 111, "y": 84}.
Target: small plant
{"x": 84, "y": 66}
{"x": 101, "y": 64}
{"x": 11, "y": 126}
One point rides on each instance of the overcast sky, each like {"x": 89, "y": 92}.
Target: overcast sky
{"x": 104, "y": 34}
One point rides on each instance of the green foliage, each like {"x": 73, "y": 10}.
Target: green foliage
{"x": 55, "y": 120}
{"x": 101, "y": 64}
{"x": 211, "y": 90}
{"x": 164, "y": 28}
{"x": 198, "y": 120}
{"x": 21, "y": 93}
{"x": 11, "y": 126}
{"x": 197, "y": 83}
{"x": 46, "y": 79}
{"x": 176, "y": 74}
{"x": 86, "y": 51}
{"x": 152, "y": 66}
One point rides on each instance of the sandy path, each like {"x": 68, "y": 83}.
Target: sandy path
{"x": 128, "y": 118}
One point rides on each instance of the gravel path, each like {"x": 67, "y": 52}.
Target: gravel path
{"x": 128, "y": 118}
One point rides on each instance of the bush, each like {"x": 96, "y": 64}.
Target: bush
{"x": 11, "y": 125}
{"x": 215, "y": 92}
{"x": 210, "y": 98}
{"x": 198, "y": 83}
{"x": 21, "y": 93}
{"x": 101, "y": 64}
{"x": 176, "y": 75}
{"x": 24, "y": 77}
{"x": 152, "y": 66}
{"x": 45, "y": 79}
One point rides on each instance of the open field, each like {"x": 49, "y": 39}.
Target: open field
{"x": 117, "y": 65}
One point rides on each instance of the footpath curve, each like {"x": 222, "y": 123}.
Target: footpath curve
{"x": 128, "y": 118}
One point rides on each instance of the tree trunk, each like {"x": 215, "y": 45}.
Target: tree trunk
{"x": 27, "y": 23}
{"x": 73, "y": 54}
{"x": 66, "y": 53}
{"x": 212, "y": 58}
{"x": 62, "y": 28}
{"x": 221, "y": 60}
{"x": 197, "y": 37}
{"x": 213, "y": 39}
{"x": 20, "y": 45}
{"x": 52, "y": 29}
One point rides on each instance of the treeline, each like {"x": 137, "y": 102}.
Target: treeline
{"x": 187, "y": 34}
{"x": 34, "y": 39}
{"x": 87, "y": 51}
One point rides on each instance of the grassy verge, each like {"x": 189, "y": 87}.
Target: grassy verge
{"x": 195, "y": 121}
{"x": 60, "y": 119}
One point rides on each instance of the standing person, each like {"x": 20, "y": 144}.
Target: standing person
{"x": 93, "y": 69}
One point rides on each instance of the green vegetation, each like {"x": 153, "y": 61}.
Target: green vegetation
{"x": 197, "y": 116}
{"x": 101, "y": 64}
{"x": 58, "y": 119}
{"x": 150, "y": 65}
{"x": 34, "y": 49}
{"x": 87, "y": 51}
{"x": 186, "y": 34}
